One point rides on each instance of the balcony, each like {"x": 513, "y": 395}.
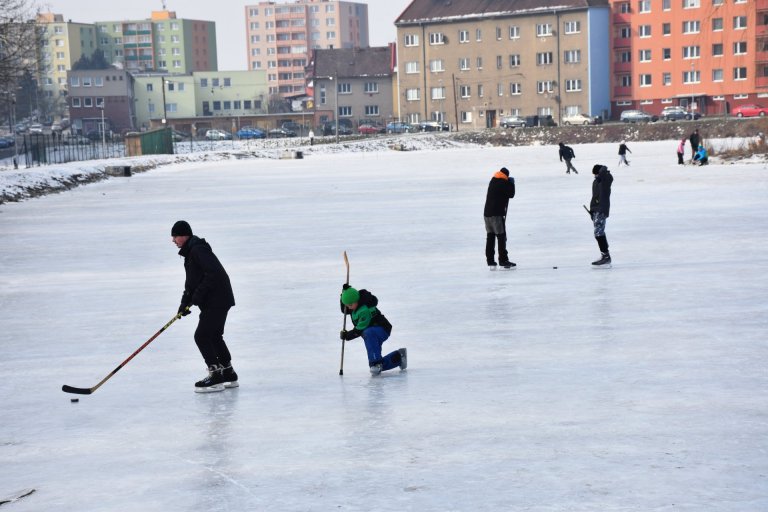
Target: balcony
{"x": 622, "y": 42}
{"x": 761, "y": 56}
{"x": 625, "y": 17}
{"x": 622, "y": 67}
{"x": 622, "y": 92}
{"x": 761, "y": 30}
{"x": 761, "y": 5}
{"x": 761, "y": 82}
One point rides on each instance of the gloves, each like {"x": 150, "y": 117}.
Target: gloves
{"x": 347, "y": 335}
{"x": 345, "y": 286}
{"x": 343, "y": 335}
{"x": 184, "y": 309}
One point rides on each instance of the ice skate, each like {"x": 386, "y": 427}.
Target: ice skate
{"x": 229, "y": 377}
{"x": 375, "y": 369}
{"x": 212, "y": 383}
{"x": 507, "y": 265}
{"x": 603, "y": 262}
{"x": 403, "y": 358}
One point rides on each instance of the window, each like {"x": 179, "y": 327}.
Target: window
{"x": 572, "y": 85}
{"x": 464, "y": 64}
{"x": 478, "y": 35}
{"x": 479, "y": 63}
{"x": 216, "y": 105}
{"x": 691, "y": 4}
{"x": 76, "y": 102}
{"x": 666, "y": 78}
{"x": 500, "y": 89}
{"x": 739, "y": 73}
{"x": 227, "y": 82}
{"x": 740, "y": 48}
{"x": 644, "y": 6}
{"x": 99, "y": 80}
{"x": 372, "y": 110}
{"x": 717, "y": 50}
{"x": 466, "y": 117}
{"x": 544, "y": 86}
{"x": 717, "y": 75}
{"x": 463, "y": 36}
{"x": 465, "y": 91}
{"x": 514, "y": 32}
{"x": 437, "y": 93}
{"x": 544, "y": 58}
{"x": 498, "y": 62}
{"x": 344, "y": 88}
{"x": 436, "y": 38}
{"x": 572, "y": 56}
{"x": 498, "y": 33}
{"x": 87, "y": 102}
{"x": 645, "y": 80}
{"x": 691, "y": 77}
{"x": 572, "y": 27}
{"x": 644, "y": 30}
{"x": 691, "y": 27}
{"x": 345, "y": 111}
{"x": 717, "y": 24}
{"x": 514, "y": 61}
{"x": 691, "y": 52}
{"x": 645, "y": 55}
{"x": 515, "y": 89}
{"x": 625, "y": 56}
{"x": 74, "y": 81}
{"x": 371, "y": 87}
{"x": 480, "y": 91}
{"x": 412, "y": 94}
{"x": 667, "y": 53}
{"x": 543, "y": 29}
{"x": 436, "y": 66}
{"x": 739, "y": 22}
{"x": 411, "y": 67}
{"x": 626, "y": 81}
{"x": 666, "y": 5}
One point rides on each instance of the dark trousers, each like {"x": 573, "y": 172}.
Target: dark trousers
{"x": 569, "y": 166}
{"x": 680, "y": 159}
{"x": 209, "y": 336}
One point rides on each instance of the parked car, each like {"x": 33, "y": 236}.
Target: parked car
{"x": 400, "y": 127}
{"x": 217, "y": 135}
{"x": 36, "y": 128}
{"x": 434, "y": 126}
{"x": 329, "y": 128}
{"x": 6, "y": 142}
{"x": 581, "y": 119}
{"x": 370, "y": 129}
{"x": 179, "y": 136}
{"x": 76, "y": 140}
{"x": 248, "y": 132}
{"x": 296, "y": 128}
{"x": 637, "y": 116}
{"x": 96, "y": 135}
{"x": 512, "y": 122}
{"x": 275, "y": 133}
{"x": 750, "y": 110}
{"x": 675, "y": 113}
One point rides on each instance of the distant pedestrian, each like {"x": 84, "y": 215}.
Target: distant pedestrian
{"x": 701, "y": 156}
{"x": 500, "y": 190}
{"x": 311, "y": 138}
{"x": 695, "y": 139}
{"x": 681, "y": 152}
{"x": 567, "y": 154}
{"x": 623, "y": 153}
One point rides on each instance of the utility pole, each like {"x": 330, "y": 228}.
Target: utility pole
{"x": 165, "y": 112}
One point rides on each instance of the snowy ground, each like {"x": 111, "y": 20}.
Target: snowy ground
{"x": 639, "y": 388}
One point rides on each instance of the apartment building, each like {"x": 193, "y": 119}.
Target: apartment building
{"x": 63, "y": 42}
{"x": 280, "y": 37}
{"x": 469, "y": 63}
{"x": 161, "y": 43}
{"x": 355, "y": 84}
{"x": 709, "y": 55}
{"x": 101, "y": 94}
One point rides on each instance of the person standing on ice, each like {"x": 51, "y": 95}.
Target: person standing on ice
{"x": 375, "y": 329}
{"x": 695, "y": 140}
{"x": 623, "y": 153}
{"x": 681, "y": 152}
{"x": 206, "y": 286}
{"x": 567, "y": 154}
{"x": 599, "y": 207}
{"x": 500, "y": 190}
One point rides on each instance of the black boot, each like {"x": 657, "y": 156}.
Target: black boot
{"x": 503, "y": 255}
{"x": 490, "y": 242}
{"x": 229, "y": 376}
{"x": 213, "y": 382}
{"x": 604, "y": 260}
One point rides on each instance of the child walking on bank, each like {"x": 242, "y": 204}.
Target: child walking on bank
{"x": 375, "y": 329}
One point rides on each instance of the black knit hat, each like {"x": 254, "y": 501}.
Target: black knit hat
{"x": 181, "y": 228}
{"x": 597, "y": 168}
{"x": 505, "y": 170}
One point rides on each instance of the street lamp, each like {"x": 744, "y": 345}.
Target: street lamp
{"x": 103, "y": 127}
{"x": 165, "y": 112}
{"x": 335, "y": 81}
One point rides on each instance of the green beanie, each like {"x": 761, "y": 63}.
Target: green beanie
{"x": 350, "y": 296}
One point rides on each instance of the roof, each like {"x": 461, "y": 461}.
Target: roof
{"x": 352, "y": 62}
{"x": 426, "y": 11}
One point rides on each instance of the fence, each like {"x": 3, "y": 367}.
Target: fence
{"x": 44, "y": 149}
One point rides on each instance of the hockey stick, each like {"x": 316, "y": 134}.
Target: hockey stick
{"x": 88, "y": 391}
{"x": 344, "y": 327}
{"x": 588, "y": 212}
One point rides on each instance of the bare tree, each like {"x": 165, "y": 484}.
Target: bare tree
{"x": 20, "y": 44}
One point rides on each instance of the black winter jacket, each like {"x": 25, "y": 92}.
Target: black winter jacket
{"x": 601, "y": 192}
{"x": 207, "y": 284}
{"x": 500, "y": 190}
{"x": 368, "y": 299}
{"x": 566, "y": 152}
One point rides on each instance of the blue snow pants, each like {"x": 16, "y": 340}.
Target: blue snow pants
{"x": 374, "y": 338}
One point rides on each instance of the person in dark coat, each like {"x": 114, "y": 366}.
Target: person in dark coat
{"x": 695, "y": 140}
{"x": 500, "y": 190}
{"x": 207, "y": 286}
{"x": 623, "y": 153}
{"x": 373, "y": 326}
{"x": 567, "y": 154}
{"x": 599, "y": 208}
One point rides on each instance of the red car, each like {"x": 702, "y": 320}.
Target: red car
{"x": 370, "y": 129}
{"x": 749, "y": 111}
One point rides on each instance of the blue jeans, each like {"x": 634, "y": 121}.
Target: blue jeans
{"x": 374, "y": 338}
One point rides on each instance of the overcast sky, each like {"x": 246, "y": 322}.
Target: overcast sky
{"x": 228, "y": 15}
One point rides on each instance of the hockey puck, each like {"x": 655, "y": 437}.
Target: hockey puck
{"x": 554, "y": 268}
{"x": 74, "y": 400}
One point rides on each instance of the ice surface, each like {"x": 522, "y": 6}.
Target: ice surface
{"x": 639, "y": 388}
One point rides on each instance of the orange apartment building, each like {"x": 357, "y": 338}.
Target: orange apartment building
{"x": 281, "y": 35}
{"x": 709, "y": 55}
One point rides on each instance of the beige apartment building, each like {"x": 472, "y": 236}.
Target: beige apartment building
{"x": 470, "y": 63}
{"x": 281, "y": 35}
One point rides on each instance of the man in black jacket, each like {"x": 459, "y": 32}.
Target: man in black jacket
{"x": 206, "y": 286}
{"x": 500, "y": 190}
{"x": 599, "y": 208}
{"x": 566, "y": 153}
